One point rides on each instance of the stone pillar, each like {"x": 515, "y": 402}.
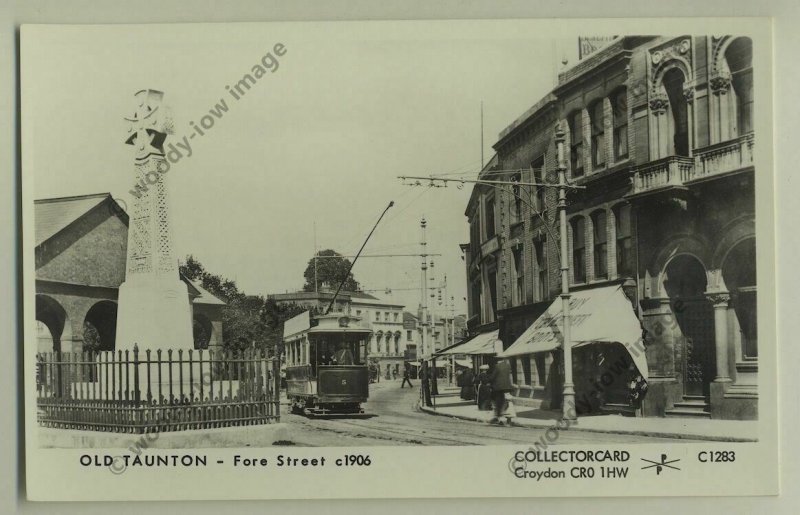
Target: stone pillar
{"x": 720, "y": 301}
{"x": 154, "y": 310}
{"x": 720, "y": 84}
{"x": 688, "y": 94}
{"x": 660, "y": 143}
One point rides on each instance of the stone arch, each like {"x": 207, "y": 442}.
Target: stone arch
{"x": 719, "y": 48}
{"x": 738, "y": 270}
{"x": 684, "y": 275}
{"x": 202, "y": 331}
{"x": 685, "y": 281}
{"x": 734, "y": 232}
{"x": 731, "y": 102}
{"x": 671, "y": 100}
{"x": 682, "y": 244}
{"x": 662, "y": 68}
{"x": 53, "y": 325}
{"x": 100, "y": 327}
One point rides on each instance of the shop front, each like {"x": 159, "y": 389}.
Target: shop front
{"x": 607, "y": 349}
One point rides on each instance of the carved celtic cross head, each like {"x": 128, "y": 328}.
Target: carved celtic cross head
{"x": 150, "y": 124}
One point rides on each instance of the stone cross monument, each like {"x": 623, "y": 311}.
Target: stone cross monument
{"x": 154, "y": 310}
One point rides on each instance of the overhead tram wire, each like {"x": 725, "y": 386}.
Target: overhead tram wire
{"x": 494, "y": 184}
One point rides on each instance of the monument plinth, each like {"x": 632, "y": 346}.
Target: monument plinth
{"x": 154, "y": 310}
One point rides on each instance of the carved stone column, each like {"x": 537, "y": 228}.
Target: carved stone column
{"x": 688, "y": 95}
{"x": 659, "y": 103}
{"x": 720, "y": 301}
{"x": 720, "y": 84}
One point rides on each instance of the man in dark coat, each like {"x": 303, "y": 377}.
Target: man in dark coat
{"x": 484, "y": 388}
{"x": 500, "y": 377}
{"x": 406, "y": 377}
{"x": 425, "y": 377}
{"x": 465, "y": 382}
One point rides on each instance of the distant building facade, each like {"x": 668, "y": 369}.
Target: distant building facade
{"x": 659, "y": 132}
{"x": 396, "y": 333}
{"x": 80, "y": 253}
{"x": 387, "y": 344}
{"x": 442, "y": 333}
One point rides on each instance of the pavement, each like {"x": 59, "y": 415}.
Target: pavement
{"x": 449, "y": 404}
{"x": 264, "y": 435}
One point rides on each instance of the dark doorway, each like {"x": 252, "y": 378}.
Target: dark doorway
{"x": 100, "y": 327}
{"x": 685, "y": 283}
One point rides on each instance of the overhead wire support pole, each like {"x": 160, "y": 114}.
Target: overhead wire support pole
{"x": 496, "y": 185}
{"x": 568, "y": 402}
{"x": 344, "y": 279}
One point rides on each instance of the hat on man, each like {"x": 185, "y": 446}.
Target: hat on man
{"x": 483, "y": 367}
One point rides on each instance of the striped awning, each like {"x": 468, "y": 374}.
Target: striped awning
{"x": 599, "y": 315}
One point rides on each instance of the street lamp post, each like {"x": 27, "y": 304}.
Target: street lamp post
{"x": 568, "y": 403}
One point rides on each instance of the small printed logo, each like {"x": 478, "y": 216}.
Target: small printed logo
{"x": 660, "y": 465}
{"x": 117, "y": 466}
{"x": 344, "y": 382}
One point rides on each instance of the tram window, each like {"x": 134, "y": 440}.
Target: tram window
{"x": 340, "y": 351}
{"x": 312, "y": 356}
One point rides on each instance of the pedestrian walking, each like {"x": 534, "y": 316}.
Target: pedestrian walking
{"x": 484, "y": 388}
{"x": 406, "y": 378}
{"x": 425, "y": 375}
{"x": 466, "y": 382}
{"x": 502, "y": 384}
{"x": 637, "y": 388}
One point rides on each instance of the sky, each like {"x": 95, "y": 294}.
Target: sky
{"x": 313, "y": 149}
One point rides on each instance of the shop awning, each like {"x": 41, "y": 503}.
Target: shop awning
{"x": 599, "y": 315}
{"x": 484, "y": 343}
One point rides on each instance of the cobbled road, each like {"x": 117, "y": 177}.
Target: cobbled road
{"x": 396, "y": 420}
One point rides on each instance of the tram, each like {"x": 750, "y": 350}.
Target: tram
{"x": 326, "y": 364}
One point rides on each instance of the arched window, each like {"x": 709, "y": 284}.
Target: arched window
{"x": 600, "y": 244}
{"x": 597, "y": 118}
{"x": 739, "y": 58}
{"x": 516, "y": 198}
{"x": 518, "y": 291}
{"x": 537, "y": 168}
{"x": 679, "y": 112}
{"x": 575, "y": 121}
{"x": 619, "y": 110}
{"x": 578, "y": 249}
{"x": 622, "y": 216}
{"x": 491, "y": 229}
{"x": 540, "y": 254}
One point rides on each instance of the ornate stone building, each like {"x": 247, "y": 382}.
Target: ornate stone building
{"x": 81, "y": 245}
{"x": 659, "y": 136}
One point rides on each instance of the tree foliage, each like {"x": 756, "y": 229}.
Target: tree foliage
{"x": 330, "y": 271}
{"x": 246, "y": 319}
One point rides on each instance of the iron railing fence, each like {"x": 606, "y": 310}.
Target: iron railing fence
{"x": 153, "y": 391}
